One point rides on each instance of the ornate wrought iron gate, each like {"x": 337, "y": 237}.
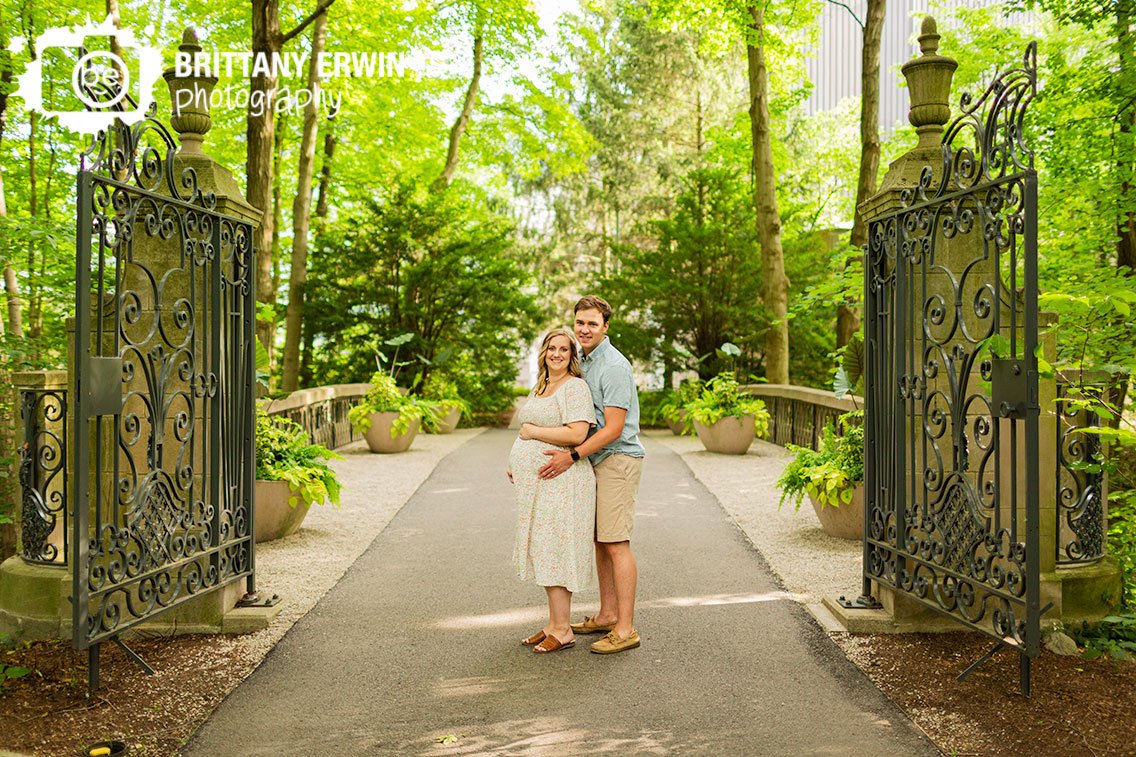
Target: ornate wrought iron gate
{"x": 163, "y": 388}
{"x": 952, "y": 384}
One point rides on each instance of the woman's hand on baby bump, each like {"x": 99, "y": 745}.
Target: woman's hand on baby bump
{"x": 526, "y": 431}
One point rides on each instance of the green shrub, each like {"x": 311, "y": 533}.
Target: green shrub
{"x": 1114, "y": 635}
{"x": 283, "y": 453}
{"x": 830, "y": 473}
{"x": 720, "y": 398}
{"x": 651, "y": 406}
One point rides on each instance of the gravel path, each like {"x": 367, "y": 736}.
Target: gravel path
{"x": 810, "y": 564}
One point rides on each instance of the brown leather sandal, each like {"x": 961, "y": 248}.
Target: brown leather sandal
{"x": 552, "y": 644}
{"x": 536, "y": 638}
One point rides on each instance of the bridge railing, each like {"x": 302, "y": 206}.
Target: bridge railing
{"x": 322, "y": 412}
{"x": 798, "y": 414}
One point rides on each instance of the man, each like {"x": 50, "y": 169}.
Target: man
{"x": 617, "y": 457}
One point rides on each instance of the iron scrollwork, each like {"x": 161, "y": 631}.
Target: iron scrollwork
{"x": 165, "y": 286}
{"x": 947, "y": 295}
{"x": 43, "y": 476}
{"x": 1080, "y": 483}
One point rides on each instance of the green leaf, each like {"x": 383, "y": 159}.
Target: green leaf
{"x": 400, "y": 339}
{"x": 841, "y": 386}
{"x": 852, "y": 361}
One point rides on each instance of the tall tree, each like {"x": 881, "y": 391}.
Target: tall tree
{"x": 268, "y": 40}
{"x": 11, "y": 286}
{"x": 774, "y": 282}
{"x": 468, "y": 103}
{"x": 847, "y": 317}
{"x": 301, "y": 207}
{"x": 1126, "y": 117}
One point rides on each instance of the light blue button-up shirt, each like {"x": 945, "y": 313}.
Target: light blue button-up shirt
{"x": 609, "y": 376}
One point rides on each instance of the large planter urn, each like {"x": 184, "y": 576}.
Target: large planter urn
{"x": 274, "y": 517}
{"x": 676, "y": 426}
{"x": 845, "y": 521}
{"x": 729, "y": 436}
{"x": 379, "y": 437}
{"x": 449, "y": 422}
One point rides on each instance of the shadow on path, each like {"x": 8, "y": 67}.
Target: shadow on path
{"x": 419, "y": 642}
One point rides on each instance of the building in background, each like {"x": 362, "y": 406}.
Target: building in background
{"x": 835, "y": 70}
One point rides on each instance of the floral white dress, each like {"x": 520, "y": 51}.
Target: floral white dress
{"x": 556, "y": 518}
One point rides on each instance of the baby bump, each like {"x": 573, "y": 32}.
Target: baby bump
{"x": 527, "y": 455}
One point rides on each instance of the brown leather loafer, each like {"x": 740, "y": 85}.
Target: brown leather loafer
{"x": 591, "y": 626}
{"x": 612, "y": 643}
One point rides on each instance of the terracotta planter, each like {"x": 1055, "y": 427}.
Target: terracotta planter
{"x": 274, "y": 517}
{"x": 676, "y": 426}
{"x": 449, "y": 422}
{"x": 729, "y": 436}
{"x": 846, "y": 521}
{"x": 378, "y": 436}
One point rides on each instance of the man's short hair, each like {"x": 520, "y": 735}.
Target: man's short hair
{"x": 592, "y": 302}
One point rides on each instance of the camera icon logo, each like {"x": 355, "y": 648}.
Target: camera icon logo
{"x": 98, "y": 82}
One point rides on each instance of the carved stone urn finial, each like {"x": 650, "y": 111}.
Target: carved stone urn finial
{"x": 189, "y": 97}
{"x": 929, "y": 83}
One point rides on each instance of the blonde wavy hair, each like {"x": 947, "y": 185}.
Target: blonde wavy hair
{"x": 542, "y": 358}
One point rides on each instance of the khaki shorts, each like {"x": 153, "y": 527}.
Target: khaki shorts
{"x": 617, "y": 484}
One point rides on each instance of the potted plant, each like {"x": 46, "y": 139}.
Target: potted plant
{"x": 726, "y": 420}
{"x": 832, "y": 477}
{"x": 388, "y": 419}
{"x": 449, "y": 406}
{"x": 291, "y": 475}
{"x": 673, "y": 408}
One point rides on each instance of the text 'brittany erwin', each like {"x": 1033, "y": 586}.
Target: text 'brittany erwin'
{"x": 287, "y": 64}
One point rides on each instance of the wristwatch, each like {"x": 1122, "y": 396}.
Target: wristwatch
{"x": 575, "y": 455}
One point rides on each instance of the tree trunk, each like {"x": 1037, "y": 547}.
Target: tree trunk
{"x": 1126, "y": 223}
{"x": 301, "y": 207}
{"x": 774, "y": 282}
{"x": 325, "y": 170}
{"x": 11, "y": 286}
{"x": 322, "y": 195}
{"x": 277, "y": 207}
{"x": 462, "y": 121}
{"x": 266, "y": 40}
{"x": 848, "y": 314}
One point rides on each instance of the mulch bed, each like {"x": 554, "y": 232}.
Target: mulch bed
{"x": 1078, "y": 707}
{"x": 49, "y": 712}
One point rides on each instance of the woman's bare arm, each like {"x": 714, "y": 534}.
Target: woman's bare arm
{"x": 568, "y": 435}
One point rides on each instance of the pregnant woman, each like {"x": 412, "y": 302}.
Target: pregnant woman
{"x": 556, "y": 518}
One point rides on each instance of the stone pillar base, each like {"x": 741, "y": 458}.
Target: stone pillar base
{"x": 34, "y": 600}
{"x": 35, "y": 604}
{"x": 1081, "y": 592}
{"x": 1087, "y": 592}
